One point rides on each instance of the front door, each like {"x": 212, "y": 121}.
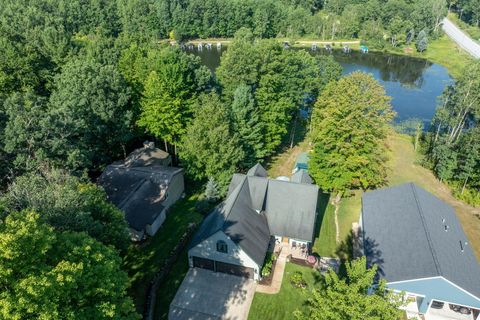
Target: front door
{"x": 285, "y": 239}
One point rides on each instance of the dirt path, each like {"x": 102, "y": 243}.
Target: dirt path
{"x": 336, "y": 204}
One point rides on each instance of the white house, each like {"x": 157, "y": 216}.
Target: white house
{"x": 234, "y": 238}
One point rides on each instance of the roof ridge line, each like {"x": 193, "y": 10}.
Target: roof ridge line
{"x": 424, "y": 225}
{"x": 131, "y": 193}
{"x": 240, "y": 186}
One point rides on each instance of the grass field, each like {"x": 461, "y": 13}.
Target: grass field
{"x": 143, "y": 261}
{"x": 282, "y": 305}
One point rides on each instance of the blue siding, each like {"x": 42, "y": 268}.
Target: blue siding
{"x": 436, "y": 289}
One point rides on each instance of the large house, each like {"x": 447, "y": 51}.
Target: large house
{"x": 234, "y": 238}
{"x": 143, "y": 186}
{"x": 421, "y": 249}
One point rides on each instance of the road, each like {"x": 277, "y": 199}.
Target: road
{"x": 461, "y": 38}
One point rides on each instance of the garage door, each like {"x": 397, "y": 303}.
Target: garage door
{"x": 223, "y": 267}
{"x": 234, "y": 269}
{"x": 203, "y": 263}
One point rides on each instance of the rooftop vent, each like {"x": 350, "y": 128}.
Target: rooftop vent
{"x": 446, "y": 228}
{"x": 461, "y": 245}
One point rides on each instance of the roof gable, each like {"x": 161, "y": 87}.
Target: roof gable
{"x": 257, "y": 171}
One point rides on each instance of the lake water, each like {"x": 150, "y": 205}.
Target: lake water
{"x": 414, "y": 84}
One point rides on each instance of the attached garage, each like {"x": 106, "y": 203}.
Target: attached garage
{"x": 223, "y": 267}
{"x": 203, "y": 263}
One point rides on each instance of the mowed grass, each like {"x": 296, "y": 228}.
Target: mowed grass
{"x": 282, "y": 305}
{"x": 404, "y": 168}
{"x": 442, "y": 51}
{"x": 143, "y": 261}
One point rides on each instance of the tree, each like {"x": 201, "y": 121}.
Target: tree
{"x": 26, "y": 130}
{"x": 173, "y": 82}
{"x": 422, "y": 41}
{"x": 357, "y": 297}
{"x": 211, "y": 190}
{"x": 68, "y": 203}
{"x": 49, "y": 275}
{"x": 89, "y": 115}
{"x": 246, "y": 122}
{"x": 209, "y": 148}
{"x": 350, "y": 122}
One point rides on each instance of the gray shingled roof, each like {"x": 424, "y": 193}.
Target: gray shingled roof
{"x": 290, "y": 209}
{"x": 238, "y": 220}
{"x": 404, "y": 234}
{"x": 136, "y": 191}
{"x": 301, "y": 176}
{"x": 257, "y": 171}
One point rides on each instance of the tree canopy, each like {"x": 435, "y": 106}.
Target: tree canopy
{"x": 357, "y": 297}
{"x": 58, "y": 275}
{"x": 350, "y": 123}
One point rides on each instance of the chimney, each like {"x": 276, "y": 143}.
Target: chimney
{"x": 148, "y": 144}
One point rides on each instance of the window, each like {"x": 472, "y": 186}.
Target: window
{"x": 222, "y": 246}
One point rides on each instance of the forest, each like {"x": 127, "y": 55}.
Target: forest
{"x": 83, "y": 83}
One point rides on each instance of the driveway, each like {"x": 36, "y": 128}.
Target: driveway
{"x": 461, "y": 38}
{"x": 208, "y": 295}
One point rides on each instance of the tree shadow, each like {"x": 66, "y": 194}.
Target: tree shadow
{"x": 322, "y": 204}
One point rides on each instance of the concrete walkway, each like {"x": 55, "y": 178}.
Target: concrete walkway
{"x": 461, "y": 38}
{"x": 278, "y": 272}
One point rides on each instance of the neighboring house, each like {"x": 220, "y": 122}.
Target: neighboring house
{"x": 143, "y": 187}
{"x": 420, "y": 249}
{"x": 235, "y": 236}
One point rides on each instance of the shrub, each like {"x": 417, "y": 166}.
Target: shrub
{"x": 296, "y": 279}
{"x": 267, "y": 266}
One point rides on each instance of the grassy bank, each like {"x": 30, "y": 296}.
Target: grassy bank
{"x": 472, "y": 31}
{"x": 403, "y": 167}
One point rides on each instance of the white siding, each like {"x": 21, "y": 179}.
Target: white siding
{"x": 175, "y": 190}
{"x": 208, "y": 249}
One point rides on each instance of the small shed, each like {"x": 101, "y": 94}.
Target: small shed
{"x": 301, "y": 162}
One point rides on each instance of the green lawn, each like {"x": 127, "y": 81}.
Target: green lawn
{"x": 143, "y": 261}
{"x": 282, "y": 305}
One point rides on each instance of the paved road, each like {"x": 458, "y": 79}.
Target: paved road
{"x": 461, "y": 38}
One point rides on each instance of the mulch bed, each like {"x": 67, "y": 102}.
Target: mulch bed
{"x": 266, "y": 281}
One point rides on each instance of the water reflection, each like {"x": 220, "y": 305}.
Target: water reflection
{"x": 414, "y": 84}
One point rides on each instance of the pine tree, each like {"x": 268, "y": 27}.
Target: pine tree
{"x": 246, "y": 122}
{"x": 422, "y": 41}
{"x": 211, "y": 190}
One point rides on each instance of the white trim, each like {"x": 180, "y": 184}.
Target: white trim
{"x": 418, "y": 279}
{"x": 462, "y": 289}
{"x": 447, "y": 302}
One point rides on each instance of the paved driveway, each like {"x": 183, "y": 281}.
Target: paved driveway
{"x": 461, "y": 38}
{"x": 208, "y": 295}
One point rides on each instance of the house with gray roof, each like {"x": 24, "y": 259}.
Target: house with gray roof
{"x": 420, "y": 249}
{"x": 235, "y": 236}
{"x": 143, "y": 186}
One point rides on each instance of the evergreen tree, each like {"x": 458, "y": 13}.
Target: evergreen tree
{"x": 209, "y": 148}
{"x": 422, "y": 41}
{"x": 246, "y": 122}
{"x": 211, "y": 190}
{"x": 350, "y": 123}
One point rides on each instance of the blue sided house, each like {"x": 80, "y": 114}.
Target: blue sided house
{"x": 421, "y": 250}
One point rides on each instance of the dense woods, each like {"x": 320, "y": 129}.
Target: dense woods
{"x": 453, "y": 145}
{"x": 82, "y": 83}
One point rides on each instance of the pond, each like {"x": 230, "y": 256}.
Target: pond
{"x": 414, "y": 84}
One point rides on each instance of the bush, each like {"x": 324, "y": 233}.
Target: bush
{"x": 470, "y": 196}
{"x": 296, "y": 279}
{"x": 267, "y": 266}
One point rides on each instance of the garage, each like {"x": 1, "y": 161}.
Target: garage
{"x": 203, "y": 263}
{"x": 223, "y": 267}
{"x": 234, "y": 269}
